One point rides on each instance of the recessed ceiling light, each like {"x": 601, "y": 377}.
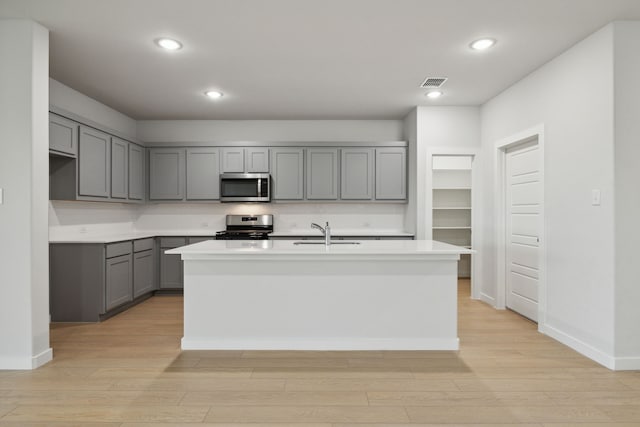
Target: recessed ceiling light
{"x": 482, "y": 44}
{"x": 214, "y": 94}
{"x": 434, "y": 94}
{"x": 169, "y": 44}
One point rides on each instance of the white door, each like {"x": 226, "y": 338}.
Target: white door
{"x": 523, "y": 199}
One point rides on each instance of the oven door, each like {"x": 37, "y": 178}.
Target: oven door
{"x": 245, "y": 187}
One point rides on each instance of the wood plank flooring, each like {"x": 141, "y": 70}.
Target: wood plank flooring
{"x": 129, "y": 372}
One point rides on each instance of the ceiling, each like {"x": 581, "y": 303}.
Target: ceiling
{"x": 303, "y": 59}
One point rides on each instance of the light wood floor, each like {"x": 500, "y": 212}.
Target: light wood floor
{"x": 129, "y": 371}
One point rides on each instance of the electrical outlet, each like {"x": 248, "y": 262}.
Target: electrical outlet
{"x": 205, "y": 224}
{"x": 595, "y": 197}
{"x": 83, "y": 230}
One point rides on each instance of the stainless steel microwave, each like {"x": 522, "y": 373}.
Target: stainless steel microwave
{"x": 245, "y": 187}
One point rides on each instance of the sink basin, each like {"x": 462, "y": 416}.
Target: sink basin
{"x": 320, "y": 242}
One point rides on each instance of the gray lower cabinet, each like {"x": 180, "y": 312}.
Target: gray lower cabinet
{"x": 287, "y": 173}
{"x": 356, "y": 166}
{"x": 203, "y": 173}
{"x": 94, "y": 169}
{"x": 171, "y": 266}
{"x": 63, "y": 135}
{"x": 89, "y": 281}
{"x": 136, "y": 172}
{"x": 391, "y": 173}
{"x": 119, "y": 168}
{"x": 166, "y": 173}
{"x": 171, "y": 272}
{"x": 119, "y": 284}
{"x": 143, "y": 277}
{"x": 322, "y": 173}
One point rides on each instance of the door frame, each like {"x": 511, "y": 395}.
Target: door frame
{"x": 501, "y": 147}
{"x": 476, "y": 279}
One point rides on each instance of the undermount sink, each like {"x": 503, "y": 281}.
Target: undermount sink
{"x": 321, "y": 242}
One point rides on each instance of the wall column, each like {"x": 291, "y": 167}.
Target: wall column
{"x": 24, "y": 180}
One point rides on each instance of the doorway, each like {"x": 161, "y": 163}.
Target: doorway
{"x": 520, "y": 227}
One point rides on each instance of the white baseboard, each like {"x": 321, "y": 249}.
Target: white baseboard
{"x": 488, "y": 299}
{"x": 26, "y": 363}
{"x": 627, "y": 363}
{"x": 321, "y": 345}
{"x": 42, "y": 358}
{"x": 581, "y": 347}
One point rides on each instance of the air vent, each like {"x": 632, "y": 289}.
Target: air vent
{"x": 433, "y": 82}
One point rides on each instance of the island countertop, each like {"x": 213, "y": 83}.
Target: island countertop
{"x": 277, "y": 249}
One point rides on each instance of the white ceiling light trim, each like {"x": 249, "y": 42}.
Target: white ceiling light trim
{"x": 483, "y": 44}
{"x": 434, "y": 94}
{"x": 168, "y": 44}
{"x": 214, "y": 94}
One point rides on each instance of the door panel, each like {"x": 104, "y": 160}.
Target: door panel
{"x": 523, "y": 200}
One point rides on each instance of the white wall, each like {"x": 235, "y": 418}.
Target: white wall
{"x": 437, "y": 127}
{"x": 572, "y": 96}
{"x": 170, "y": 132}
{"x": 627, "y": 193}
{"x": 24, "y": 135}
{"x": 75, "y": 102}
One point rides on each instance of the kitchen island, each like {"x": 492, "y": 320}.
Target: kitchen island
{"x": 276, "y": 295}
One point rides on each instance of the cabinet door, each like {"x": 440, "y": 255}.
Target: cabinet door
{"x": 203, "y": 173}
{"x": 232, "y": 159}
{"x": 322, "y": 173}
{"x": 287, "y": 167}
{"x": 356, "y": 177}
{"x": 136, "y": 172}
{"x": 94, "y": 167}
{"x": 166, "y": 173}
{"x": 391, "y": 173}
{"x": 63, "y": 135}
{"x": 118, "y": 288}
{"x": 171, "y": 273}
{"x": 142, "y": 273}
{"x": 119, "y": 168}
{"x": 256, "y": 160}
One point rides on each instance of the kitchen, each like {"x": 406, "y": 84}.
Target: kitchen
{"x": 587, "y": 285}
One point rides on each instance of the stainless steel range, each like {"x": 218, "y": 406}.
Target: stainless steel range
{"x": 247, "y": 227}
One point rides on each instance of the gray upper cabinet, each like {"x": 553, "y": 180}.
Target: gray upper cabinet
{"x": 233, "y": 159}
{"x": 119, "y": 168}
{"x": 287, "y": 166}
{"x": 166, "y": 173}
{"x": 356, "y": 178}
{"x": 256, "y": 160}
{"x": 322, "y": 173}
{"x": 203, "y": 173}
{"x": 94, "y": 163}
{"x": 63, "y": 135}
{"x": 136, "y": 172}
{"x": 391, "y": 173}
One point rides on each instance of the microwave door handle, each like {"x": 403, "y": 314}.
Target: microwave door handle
{"x": 259, "y": 186}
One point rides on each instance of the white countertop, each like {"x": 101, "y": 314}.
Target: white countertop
{"x": 119, "y": 237}
{"x": 133, "y": 235}
{"x": 286, "y": 249}
{"x": 341, "y": 233}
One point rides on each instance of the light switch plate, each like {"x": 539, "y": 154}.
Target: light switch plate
{"x": 595, "y": 197}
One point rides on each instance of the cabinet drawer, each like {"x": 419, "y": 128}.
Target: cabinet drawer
{"x": 142, "y": 245}
{"x": 118, "y": 249}
{"x": 172, "y": 242}
{"x": 193, "y": 240}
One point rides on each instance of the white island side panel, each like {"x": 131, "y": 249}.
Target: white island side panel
{"x": 327, "y": 303}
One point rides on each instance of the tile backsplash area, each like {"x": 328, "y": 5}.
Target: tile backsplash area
{"x": 80, "y": 218}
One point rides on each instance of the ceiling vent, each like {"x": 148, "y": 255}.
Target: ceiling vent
{"x": 433, "y": 82}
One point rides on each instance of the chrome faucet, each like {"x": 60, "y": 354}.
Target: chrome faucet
{"x": 326, "y": 231}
